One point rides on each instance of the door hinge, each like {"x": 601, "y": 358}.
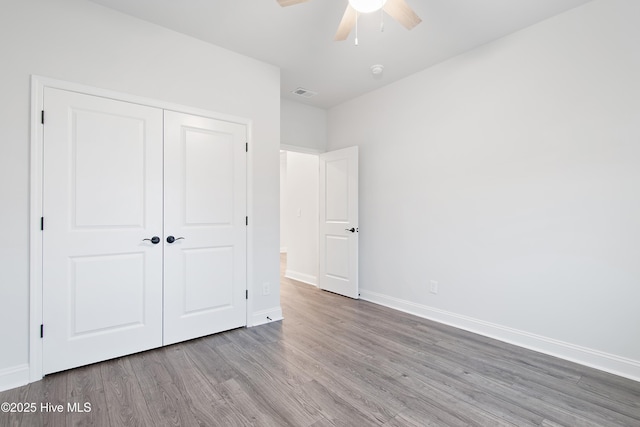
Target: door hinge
{"x": 41, "y": 223}
{"x": 246, "y": 220}
{"x": 42, "y": 116}
{"x": 41, "y": 331}
{"x": 246, "y": 147}
{"x": 246, "y": 295}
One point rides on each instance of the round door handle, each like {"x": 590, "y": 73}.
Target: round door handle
{"x": 172, "y": 239}
{"x": 155, "y": 240}
{"x": 352, "y": 229}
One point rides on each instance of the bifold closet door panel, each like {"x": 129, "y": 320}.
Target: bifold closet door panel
{"x": 103, "y": 192}
{"x": 204, "y": 229}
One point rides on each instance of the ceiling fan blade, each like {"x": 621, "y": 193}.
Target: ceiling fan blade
{"x": 401, "y": 12}
{"x": 285, "y": 3}
{"x": 347, "y": 23}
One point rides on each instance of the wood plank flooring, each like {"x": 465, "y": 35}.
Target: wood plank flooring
{"x": 334, "y": 361}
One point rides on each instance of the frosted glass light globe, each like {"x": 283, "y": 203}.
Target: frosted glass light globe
{"x": 367, "y": 6}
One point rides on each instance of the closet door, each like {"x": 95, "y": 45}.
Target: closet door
{"x": 102, "y": 204}
{"x": 205, "y": 211}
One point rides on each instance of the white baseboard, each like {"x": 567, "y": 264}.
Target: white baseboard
{"x": 301, "y": 277}
{"x": 13, "y": 377}
{"x": 266, "y": 316}
{"x": 611, "y": 363}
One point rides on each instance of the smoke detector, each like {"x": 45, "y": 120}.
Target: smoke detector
{"x": 305, "y": 93}
{"x": 377, "y": 70}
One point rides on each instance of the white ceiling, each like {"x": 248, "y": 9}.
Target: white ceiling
{"x": 299, "y": 39}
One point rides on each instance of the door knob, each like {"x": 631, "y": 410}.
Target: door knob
{"x": 155, "y": 240}
{"x": 353, "y": 230}
{"x": 172, "y": 239}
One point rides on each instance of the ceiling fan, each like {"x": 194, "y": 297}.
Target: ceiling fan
{"x": 397, "y": 9}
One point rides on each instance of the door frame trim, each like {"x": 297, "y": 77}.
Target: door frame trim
{"x": 38, "y": 84}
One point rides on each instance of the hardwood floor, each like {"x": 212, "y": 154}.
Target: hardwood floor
{"x": 334, "y": 361}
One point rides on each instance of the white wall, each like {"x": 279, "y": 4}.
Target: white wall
{"x": 301, "y": 217}
{"x": 283, "y": 201}
{"x": 303, "y": 127}
{"x": 82, "y": 42}
{"x": 510, "y": 175}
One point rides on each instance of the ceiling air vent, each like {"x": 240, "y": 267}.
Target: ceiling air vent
{"x": 305, "y": 93}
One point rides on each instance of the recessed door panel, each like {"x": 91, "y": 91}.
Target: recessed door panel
{"x": 337, "y": 257}
{"x": 205, "y": 209}
{"x": 207, "y": 271}
{"x": 102, "y": 283}
{"x": 107, "y": 167}
{"x": 209, "y": 177}
{"x": 337, "y": 185}
{"x": 107, "y": 293}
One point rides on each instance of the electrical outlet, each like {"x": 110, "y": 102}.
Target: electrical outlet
{"x": 433, "y": 286}
{"x": 266, "y": 288}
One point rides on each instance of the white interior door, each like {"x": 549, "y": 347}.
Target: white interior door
{"x": 205, "y": 211}
{"x": 339, "y": 222}
{"x": 102, "y": 282}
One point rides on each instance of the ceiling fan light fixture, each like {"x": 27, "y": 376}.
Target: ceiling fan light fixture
{"x": 367, "y": 6}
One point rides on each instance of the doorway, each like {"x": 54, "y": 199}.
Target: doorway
{"x": 299, "y": 217}
{"x": 319, "y": 223}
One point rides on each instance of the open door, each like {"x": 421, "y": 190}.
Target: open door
{"x": 339, "y": 222}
